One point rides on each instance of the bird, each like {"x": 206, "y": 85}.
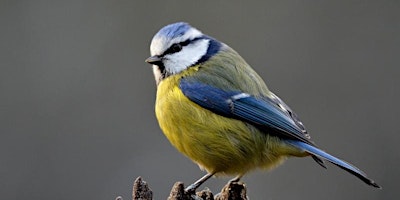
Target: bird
{"x": 215, "y": 109}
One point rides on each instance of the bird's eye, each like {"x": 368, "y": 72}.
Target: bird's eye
{"x": 175, "y": 48}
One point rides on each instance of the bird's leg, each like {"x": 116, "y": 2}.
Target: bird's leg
{"x": 192, "y": 188}
{"x": 236, "y": 179}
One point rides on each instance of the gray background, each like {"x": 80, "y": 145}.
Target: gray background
{"x": 77, "y": 100}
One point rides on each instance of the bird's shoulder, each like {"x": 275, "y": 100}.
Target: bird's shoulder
{"x": 228, "y": 71}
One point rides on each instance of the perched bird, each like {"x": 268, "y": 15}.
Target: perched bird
{"x": 215, "y": 109}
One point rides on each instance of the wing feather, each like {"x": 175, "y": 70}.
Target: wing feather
{"x": 264, "y": 112}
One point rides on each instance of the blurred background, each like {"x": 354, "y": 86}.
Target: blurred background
{"x": 77, "y": 99}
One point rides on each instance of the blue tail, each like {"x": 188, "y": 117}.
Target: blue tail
{"x": 340, "y": 163}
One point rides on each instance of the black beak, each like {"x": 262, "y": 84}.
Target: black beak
{"x": 155, "y": 60}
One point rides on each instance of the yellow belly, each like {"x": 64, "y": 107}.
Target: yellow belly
{"x": 216, "y": 143}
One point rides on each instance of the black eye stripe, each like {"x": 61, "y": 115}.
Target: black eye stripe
{"x": 172, "y": 49}
{"x": 185, "y": 43}
{"x": 178, "y": 46}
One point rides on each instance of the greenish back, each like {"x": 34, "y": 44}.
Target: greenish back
{"x": 228, "y": 67}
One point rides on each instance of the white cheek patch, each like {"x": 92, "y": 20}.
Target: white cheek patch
{"x": 189, "y": 55}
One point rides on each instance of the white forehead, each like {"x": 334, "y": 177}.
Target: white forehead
{"x": 160, "y": 43}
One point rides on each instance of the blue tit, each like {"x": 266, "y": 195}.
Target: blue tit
{"x": 215, "y": 109}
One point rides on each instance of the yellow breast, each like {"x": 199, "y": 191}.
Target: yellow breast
{"x": 218, "y": 144}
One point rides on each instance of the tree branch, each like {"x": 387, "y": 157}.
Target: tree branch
{"x": 231, "y": 191}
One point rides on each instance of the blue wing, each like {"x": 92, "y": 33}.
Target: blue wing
{"x": 266, "y": 113}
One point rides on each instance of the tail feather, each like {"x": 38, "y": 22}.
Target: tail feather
{"x": 319, "y": 161}
{"x": 315, "y": 152}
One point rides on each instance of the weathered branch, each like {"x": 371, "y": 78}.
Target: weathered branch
{"x": 231, "y": 191}
{"x": 141, "y": 190}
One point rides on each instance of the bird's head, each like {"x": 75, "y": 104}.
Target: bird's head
{"x": 178, "y": 46}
